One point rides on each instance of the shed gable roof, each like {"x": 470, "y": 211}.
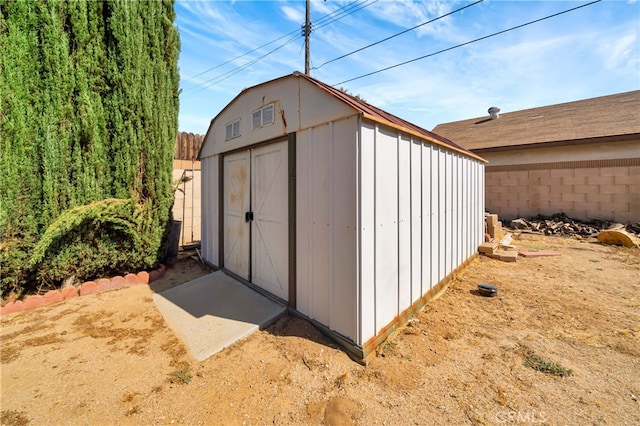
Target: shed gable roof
{"x": 585, "y": 120}
{"x": 378, "y": 115}
{"x": 367, "y": 110}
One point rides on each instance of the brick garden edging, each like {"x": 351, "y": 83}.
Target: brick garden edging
{"x": 89, "y": 287}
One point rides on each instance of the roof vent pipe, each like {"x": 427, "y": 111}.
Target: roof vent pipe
{"x": 493, "y": 112}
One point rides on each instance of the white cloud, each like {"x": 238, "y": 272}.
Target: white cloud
{"x": 583, "y": 54}
{"x": 620, "y": 52}
{"x": 293, "y": 14}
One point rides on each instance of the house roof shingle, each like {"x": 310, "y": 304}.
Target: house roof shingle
{"x": 585, "y": 120}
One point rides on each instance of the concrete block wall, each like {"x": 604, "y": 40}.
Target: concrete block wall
{"x": 610, "y": 192}
{"x": 187, "y": 204}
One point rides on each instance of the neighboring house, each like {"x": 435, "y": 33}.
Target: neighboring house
{"x": 349, "y": 215}
{"x": 186, "y": 181}
{"x": 581, "y": 158}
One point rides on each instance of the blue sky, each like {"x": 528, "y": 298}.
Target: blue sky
{"x": 593, "y": 51}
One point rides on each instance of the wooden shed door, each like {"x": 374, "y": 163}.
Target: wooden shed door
{"x": 236, "y": 203}
{"x": 256, "y": 217}
{"x": 269, "y": 231}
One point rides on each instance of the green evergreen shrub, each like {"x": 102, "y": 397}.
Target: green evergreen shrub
{"x": 88, "y": 118}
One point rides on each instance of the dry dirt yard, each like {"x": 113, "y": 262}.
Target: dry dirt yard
{"x": 109, "y": 359}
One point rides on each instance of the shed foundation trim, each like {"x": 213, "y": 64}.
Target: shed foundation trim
{"x": 372, "y": 344}
{"x": 362, "y": 354}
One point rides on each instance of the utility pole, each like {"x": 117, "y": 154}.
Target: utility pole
{"x": 307, "y": 32}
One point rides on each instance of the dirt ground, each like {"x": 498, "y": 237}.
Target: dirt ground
{"x": 109, "y": 358}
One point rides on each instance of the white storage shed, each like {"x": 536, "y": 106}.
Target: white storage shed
{"x": 351, "y": 216}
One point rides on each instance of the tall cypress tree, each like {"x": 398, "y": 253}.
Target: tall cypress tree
{"x": 89, "y": 103}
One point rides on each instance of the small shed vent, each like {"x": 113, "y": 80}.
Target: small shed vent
{"x": 493, "y": 112}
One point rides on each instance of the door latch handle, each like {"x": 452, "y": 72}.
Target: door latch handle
{"x": 248, "y": 216}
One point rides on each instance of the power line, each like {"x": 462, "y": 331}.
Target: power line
{"x": 229, "y": 74}
{"x": 321, "y": 21}
{"x": 469, "y": 42}
{"x": 398, "y": 34}
{"x": 240, "y": 56}
{"x": 346, "y": 13}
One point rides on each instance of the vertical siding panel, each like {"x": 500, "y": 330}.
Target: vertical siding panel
{"x": 344, "y": 229}
{"x": 331, "y": 226}
{"x": 427, "y": 261}
{"x": 458, "y": 205}
{"x": 467, "y": 208}
{"x": 462, "y": 209}
{"x": 481, "y": 188}
{"x": 435, "y": 216}
{"x": 209, "y": 208}
{"x": 368, "y": 326}
{"x": 479, "y": 218}
{"x": 386, "y": 239}
{"x": 479, "y": 209}
{"x": 416, "y": 220}
{"x": 304, "y": 279}
{"x": 475, "y": 205}
{"x": 456, "y": 212}
{"x": 404, "y": 223}
{"x": 472, "y": 209}
{"x": 213, "y": 209}
{"x": 442, "y": 229}
{"x": 449, "y": 221}
{"x": 207, "y": 215}
{"x": 320, "y": 223}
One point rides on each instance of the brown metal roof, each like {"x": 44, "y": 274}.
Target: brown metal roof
{"x": 580, "y": 121}
{"x": 383, "y": 117}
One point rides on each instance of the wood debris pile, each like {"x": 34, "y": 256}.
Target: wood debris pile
{"x": 561, "y": 225}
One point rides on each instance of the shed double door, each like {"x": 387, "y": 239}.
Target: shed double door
{"x": 255, "y": 217}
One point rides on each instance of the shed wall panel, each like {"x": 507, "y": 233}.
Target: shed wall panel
{"x": 326, "y": 225}
{"x": 317, "y": 107}
{"x": 298, "y": 105}
{"x": 386, "y": 221}
{"x": 404, "y": 223}
{"x": 442, "y": 230}
{"x": 435, "y": 215}
{"x": 410, "y": 180}
{"x": 281, "y": 93}
{"x": 344, "y": 236}
{"x": 427, "y": 260}
{"x": 456, "y": 259}
{"x": 209, "y": 206}
{"x": 320, "y": 224}
{"x": 465, "y": 210}
{"x": 416, "y": 220}
{"x": 304, "y": 201}
{"x": 448, "y": 238}
{"x": 367, "y": 230}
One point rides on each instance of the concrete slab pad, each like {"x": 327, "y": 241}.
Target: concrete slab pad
{"x": 214, "y": 311}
